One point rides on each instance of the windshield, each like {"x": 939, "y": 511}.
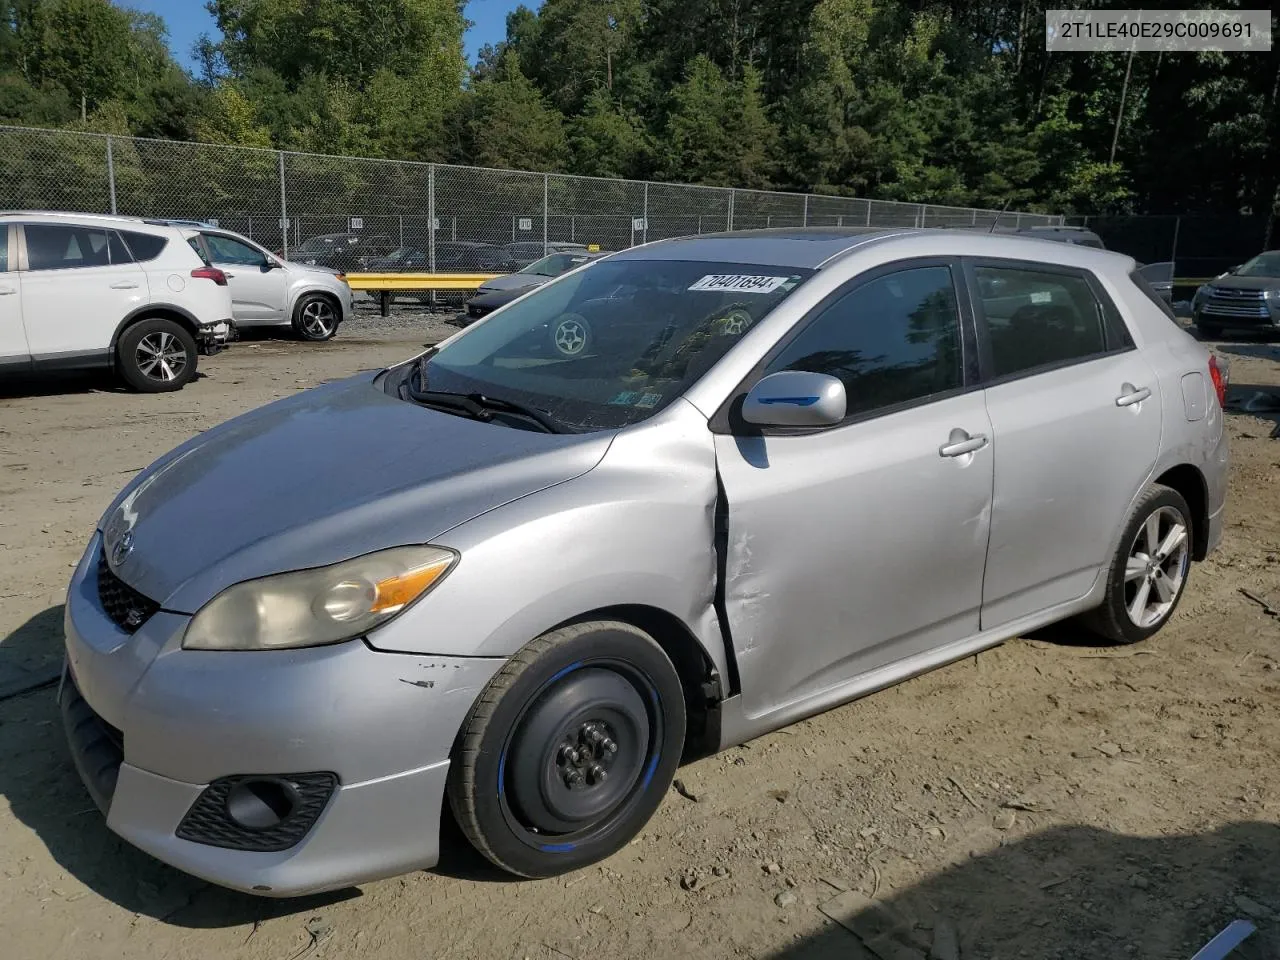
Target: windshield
{"x": 613, "y": 344}
{"x": 1263, "y": 265}
{"x": 554, "y": 265}
{"x": 316, "y": 244}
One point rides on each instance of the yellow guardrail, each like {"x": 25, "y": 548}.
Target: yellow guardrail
{"x": 417, "y": 281}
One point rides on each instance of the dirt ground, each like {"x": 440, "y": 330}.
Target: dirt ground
{"x": 1045, "y": 799}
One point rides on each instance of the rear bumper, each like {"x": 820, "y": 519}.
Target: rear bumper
{"x": 212, "y": 337}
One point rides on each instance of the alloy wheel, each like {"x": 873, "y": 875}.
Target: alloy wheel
{"x": 570, "y": 337}
{"x": 318, "y": 319}
{"x": 1156, "y": 568}
{"x": 161, "y": 356}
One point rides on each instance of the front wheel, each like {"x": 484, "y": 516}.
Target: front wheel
{"x": 1149, "y": 572}
{"x": 315, "y": 318}
{"x": 156, "y": 356}
{"x": 569, "y": 749}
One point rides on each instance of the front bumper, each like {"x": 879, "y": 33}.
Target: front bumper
{"x": 383, "y": 723}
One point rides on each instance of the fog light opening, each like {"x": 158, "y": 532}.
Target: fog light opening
{"x": 261, "y": 804}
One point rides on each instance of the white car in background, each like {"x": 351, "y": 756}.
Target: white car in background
{"x": 267, "y": 291}
{"x": 80, "y": 290}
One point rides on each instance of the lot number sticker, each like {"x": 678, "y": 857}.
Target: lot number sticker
{"x": 739, "y": 283}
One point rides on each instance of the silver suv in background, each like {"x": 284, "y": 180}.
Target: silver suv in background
{"x": 1246, "y": 297}
{"x": 267, "y": 291}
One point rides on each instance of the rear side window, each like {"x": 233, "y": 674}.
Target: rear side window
{"x": 1038, "y": 319}
{"x": 891, "y": 341}
{"x": 144, "y": 246}
{"x": 1141, "y": 283}
{"x": 59, "y": 247}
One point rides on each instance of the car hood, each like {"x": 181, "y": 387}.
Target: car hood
{"x": 304, "y": 268}
{"x": 512, "y": 281}
{"x": 1236, "y": 282}
{"x": 323, "y": 476}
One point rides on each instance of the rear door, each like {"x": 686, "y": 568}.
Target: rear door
{"x": 14, "y": 352}
{"x": 257, "y": 289}
{"x": 1075, "y": 417}
{"x": 78, "y": 284}
{"x": 860, "y": 544}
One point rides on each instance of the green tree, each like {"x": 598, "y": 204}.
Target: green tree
{"x": 83, "y": 45}
{"x": 608, "y": 141}
{"x": 512, "y": 125}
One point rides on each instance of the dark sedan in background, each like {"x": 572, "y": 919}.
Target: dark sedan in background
{"x": 502, "y": 290}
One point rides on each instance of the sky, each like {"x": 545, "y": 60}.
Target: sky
{"x": 187, "y": 19}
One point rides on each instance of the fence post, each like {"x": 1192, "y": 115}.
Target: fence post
{"x": 1017, "y": 221}
{"x": 805, "y": 222}
{"x": 868, "y": 203}
{"x": 431, "y": 218}
{"x": 974, "y": 218}
{"x": 729, "y": 223}
{"x": 111, "y": 175}
{"x": 644, "y": 213}
{"x": 284, "y": 210}
{"x": 546, "y": 194}
{"x": 1173, "y": 254}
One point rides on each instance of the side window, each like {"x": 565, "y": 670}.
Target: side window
{"x": 892, "y": 340}
{"x": 1036, "y": 318}
{"x": 144, "y": 246}
{"x": 59, "y": 247}
{"x": 225, "y": 250}
{"x": 4, "y": 247}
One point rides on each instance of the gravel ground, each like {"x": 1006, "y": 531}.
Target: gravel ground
{"x": 1044, "y": 799}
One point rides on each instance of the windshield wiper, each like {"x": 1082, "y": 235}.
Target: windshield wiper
{"x": 479, "y": 407}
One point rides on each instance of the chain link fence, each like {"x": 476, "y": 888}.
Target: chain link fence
{"x": 1200, "y": 245}
{"x": 422, "y": 217}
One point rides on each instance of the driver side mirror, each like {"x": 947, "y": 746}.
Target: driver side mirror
{"x": 271, "y": 263}
{"x": 795, "y": 398}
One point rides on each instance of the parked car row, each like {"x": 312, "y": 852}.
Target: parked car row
{"x": 146, "y": 298}
{"x": 1245, "y": 297}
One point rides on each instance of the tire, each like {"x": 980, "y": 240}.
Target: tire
{"x": 315, "y": 318}
{"x": 525, "y": 782}
{"x": 570, "y": 335}
{"x": 156, "y": 356}
{"x": 1115, "y": 619}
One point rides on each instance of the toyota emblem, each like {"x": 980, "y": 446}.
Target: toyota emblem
{"x": 124, "y": 546}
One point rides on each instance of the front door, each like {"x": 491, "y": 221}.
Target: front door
{"x": 257, "y": 289}
{"x": 1075, "y": 415}
{"x": 80, "y": 282}
{"x": 14, "y": 352}
{"x": 854, "y": 546}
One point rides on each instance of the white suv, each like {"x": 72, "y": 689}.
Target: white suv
{"x": 81, "y": 291}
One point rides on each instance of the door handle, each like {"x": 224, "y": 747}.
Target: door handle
{"x": 960, "y": 443}
{"x": 125, "y": 285}
{"x": 1131, "y": 395}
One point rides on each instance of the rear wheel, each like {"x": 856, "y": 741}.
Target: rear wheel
{"x": 1149, "y": 572}
{"x": 156, "y": 356}
{"x": 569, "y": 749}
{"x": 315, "y": 318}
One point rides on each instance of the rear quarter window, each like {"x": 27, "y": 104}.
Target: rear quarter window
{"x": 144, "y": 246}
{"x": 1140, "y": 282}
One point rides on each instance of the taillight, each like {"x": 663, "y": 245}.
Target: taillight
{"x": 210, "y": 273}
{"x": 1219, "y": 381}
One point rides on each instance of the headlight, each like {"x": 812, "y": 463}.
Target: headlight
{"x": 312, "y": 607}
{"x": 1273, "y": 293}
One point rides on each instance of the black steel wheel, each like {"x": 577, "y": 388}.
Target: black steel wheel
{"x": 569, "y": 749}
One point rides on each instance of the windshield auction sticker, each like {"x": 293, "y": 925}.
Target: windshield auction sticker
{"x": 738, "y": 283}
{"x": 1156, "y": 31}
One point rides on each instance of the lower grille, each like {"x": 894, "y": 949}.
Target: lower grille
{"x": 1238, "y": 303}
{"x": 97, "y": 748}
{"x": 209, "y": 822}
{"x": 127, "y": 608}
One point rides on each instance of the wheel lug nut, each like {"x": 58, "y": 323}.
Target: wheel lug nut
{"x": 598, "y": 773}
{"x": 571, "y": 777}
{"x": 608, "y": 746}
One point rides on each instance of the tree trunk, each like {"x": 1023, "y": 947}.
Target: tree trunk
{"x": 1124, "y": 92}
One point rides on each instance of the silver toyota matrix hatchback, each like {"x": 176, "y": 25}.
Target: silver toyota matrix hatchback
{"x": 679, "y": 497}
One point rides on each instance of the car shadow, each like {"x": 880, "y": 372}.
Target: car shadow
{"x": 40, "y": 787}
{"x": 1256, "y": 400}
{"x": 1261, "y": 350}
{"x": 55, "y": 383}
{"x": 1071, "y": 892}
